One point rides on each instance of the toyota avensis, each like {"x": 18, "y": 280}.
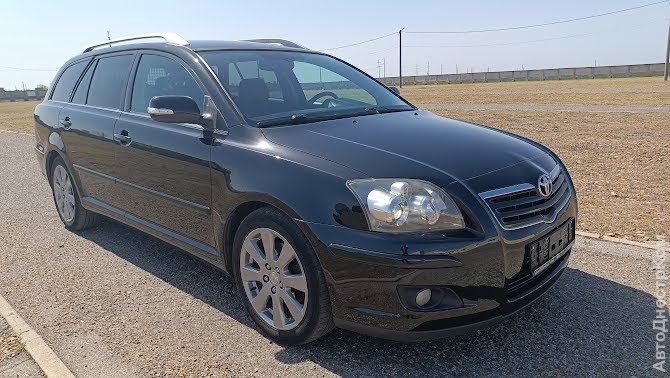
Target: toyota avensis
{"x": 329, "y": 199}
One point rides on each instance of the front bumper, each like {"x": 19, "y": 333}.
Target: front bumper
{"x": 419, "y": 335}
{"x": 484, "y": 269}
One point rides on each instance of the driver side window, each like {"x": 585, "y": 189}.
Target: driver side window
{"x": 161, "y": 76}
{"x": 314, "y": 80}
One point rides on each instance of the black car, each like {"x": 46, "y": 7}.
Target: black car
{"x": 330, "y": 199}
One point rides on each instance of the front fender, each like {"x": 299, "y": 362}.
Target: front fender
{"x": 249, "y": 171}
{"x": 304, "y": 187}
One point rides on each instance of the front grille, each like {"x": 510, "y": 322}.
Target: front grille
{"x": 527, "y": 281}
{"x": 521, "y": 205}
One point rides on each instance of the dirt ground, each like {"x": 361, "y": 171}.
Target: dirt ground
{"x": 18, "y": 116}
{"x": 10, "y": 345}
{"x": 620, "y": 91}
{"x": 619, "y": 161}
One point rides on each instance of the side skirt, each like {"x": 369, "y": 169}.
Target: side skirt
{"x": 195, "y": 248}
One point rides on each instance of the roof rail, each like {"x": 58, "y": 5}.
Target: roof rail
{"x": 173, "y": 38}
{"x": 275, "y": 41}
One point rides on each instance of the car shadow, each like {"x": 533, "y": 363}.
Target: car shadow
{"x": 585, "y": 325}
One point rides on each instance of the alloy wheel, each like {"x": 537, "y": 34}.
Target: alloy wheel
{"x": 64, "y": 193}
{"x": 273, "y": 279}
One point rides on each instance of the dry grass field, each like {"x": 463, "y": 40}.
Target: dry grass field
{"x": 624, "y": 91}
{"x": 17, "y": 116}
{"x": 619, "y": 159}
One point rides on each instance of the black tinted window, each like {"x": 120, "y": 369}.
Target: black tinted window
{"x": 161, "y": 76}
{"x": 273, "y": 86}
{"x": 67, "y": 81}
{"x": 82, "y": 89}
{"x": 109, "y": 81}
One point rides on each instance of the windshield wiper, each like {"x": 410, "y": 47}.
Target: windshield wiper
{"x": 384, "y": 109}
{"x": 293, "y": 119}
{"x": 308, "y": 118}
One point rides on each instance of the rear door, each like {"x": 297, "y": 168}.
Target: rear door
{"x": 47, "y": 113}
{"x": 89, "y": 125}
{"x": 163, "y": 168}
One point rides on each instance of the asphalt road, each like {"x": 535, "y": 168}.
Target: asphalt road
{"x": 112, "y": 301}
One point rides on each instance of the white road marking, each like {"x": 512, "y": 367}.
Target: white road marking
{"x": 44, "y": 356}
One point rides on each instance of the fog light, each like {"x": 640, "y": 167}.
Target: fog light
{"x": 423, "y": 297}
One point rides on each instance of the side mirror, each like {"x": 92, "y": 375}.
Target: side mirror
{"x": 174, "y": 109}
{"x": 395, "y": 90}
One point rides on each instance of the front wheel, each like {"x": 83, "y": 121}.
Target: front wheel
{"x": 279, "y": 278}
{"x": 66, "y": 199}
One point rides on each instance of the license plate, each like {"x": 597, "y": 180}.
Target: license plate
{"x": 546, "y": 251}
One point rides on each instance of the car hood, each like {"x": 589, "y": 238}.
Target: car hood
{"x": 417, "y": 145}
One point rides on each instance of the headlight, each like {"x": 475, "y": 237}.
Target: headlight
{"x": 394, "y": 205}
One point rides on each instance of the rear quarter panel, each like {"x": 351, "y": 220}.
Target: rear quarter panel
{"x": 47, "y": 138}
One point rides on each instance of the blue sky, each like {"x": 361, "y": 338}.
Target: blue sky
{"x": 43, "y": 34}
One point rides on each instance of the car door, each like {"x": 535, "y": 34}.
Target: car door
{"x": 163, "y": 168}
{"x": 47, "y": 113}
{"x": 88, "y": 126}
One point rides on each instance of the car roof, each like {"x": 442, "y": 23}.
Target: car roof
{"x": 200, "y": 45}
{"x": 182, "y": 44}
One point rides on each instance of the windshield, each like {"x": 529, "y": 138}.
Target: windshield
{"x": 284, "y": 87}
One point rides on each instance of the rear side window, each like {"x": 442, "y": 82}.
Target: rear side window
{"x": 109, "y": 81}
{"x": 67, "y": 81}
{"x": 161, "y": 76}
{"x": 82, "y": 89}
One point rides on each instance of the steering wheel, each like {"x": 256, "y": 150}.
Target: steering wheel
{"x": 322, "y": 94}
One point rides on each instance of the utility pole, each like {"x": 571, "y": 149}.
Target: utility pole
{"x": 428, "y": 70}
{"x": 400, "y": 56}
{"x": 379, "y": 68}
{"x": 667, "y": 56}
{"x": 24, "y": 85}
{"x": 457, "y": 68}
{"x": 384, "y": 63}
{"x": 109, "y": 38}
{"x": 417, "y": 70}
{"x": 441, "y": 73}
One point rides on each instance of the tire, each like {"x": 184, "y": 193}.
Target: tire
{"x": 280, "y": 287}
{"x": 66, "y": 199}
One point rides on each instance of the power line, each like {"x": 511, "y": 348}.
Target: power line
{"x": 502, "y": 29}
{"x": 539, "y": 25}
{"x": 25, "y": 69}
{"x": 523, "y": 42}
{"x": 500, "y": 44}
{"x": 366, "y": 41}
{"x": 369, "y": 53}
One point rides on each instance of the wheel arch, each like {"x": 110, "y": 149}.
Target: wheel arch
{"x": 49, "y": 160}
{"x": 240, "y": 212}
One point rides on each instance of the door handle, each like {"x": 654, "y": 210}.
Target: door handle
{"x": 66, "y": 122}
{"x": 123, "y": 138}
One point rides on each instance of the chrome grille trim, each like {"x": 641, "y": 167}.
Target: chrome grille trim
{"x": 520, "y": 206}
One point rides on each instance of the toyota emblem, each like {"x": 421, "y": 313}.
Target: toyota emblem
{"x": 544, "y": 186}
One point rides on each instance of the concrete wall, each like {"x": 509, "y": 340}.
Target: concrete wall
{"x": 22, "y": 95}
{"x": 655, "y": 69}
